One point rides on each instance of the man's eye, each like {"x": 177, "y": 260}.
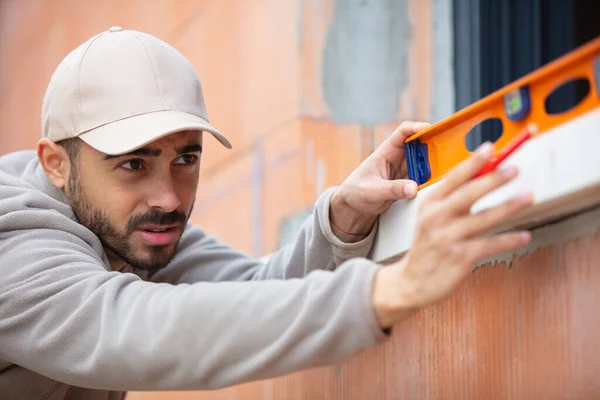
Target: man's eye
{"x": 186, "y": 159}
{"x": 132, "y": 165}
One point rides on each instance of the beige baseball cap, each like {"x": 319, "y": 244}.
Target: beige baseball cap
{"x": 121, "y": 90}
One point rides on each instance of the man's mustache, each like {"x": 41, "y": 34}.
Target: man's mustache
{"x": 155, "y": 217}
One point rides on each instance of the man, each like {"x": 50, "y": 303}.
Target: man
{"x": 105, "y": 287}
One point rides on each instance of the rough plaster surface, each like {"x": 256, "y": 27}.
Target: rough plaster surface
{"x": 582, "y": 224}
{"x": 365, "y": 61}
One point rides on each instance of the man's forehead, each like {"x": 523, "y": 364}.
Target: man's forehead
{"x": 177, "y": 139}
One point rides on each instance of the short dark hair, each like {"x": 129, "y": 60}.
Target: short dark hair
{"x": 72, "y": 147}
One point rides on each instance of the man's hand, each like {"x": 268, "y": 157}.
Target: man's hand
{"x": 374, "y": 186}
{"x": 448, "y": 240}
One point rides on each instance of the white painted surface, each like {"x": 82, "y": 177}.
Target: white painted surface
{"x": 561, "y": 168}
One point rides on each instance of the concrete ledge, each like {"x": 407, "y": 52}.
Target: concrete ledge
{"x": 561, "y": 168}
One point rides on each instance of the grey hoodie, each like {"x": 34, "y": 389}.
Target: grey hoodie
{"x": 70, "y": 328}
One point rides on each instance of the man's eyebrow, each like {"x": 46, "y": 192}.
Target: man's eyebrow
{"x": 143, "y": 152}
{"x": 190, "y": 148}
{"x": 146, "y": 152}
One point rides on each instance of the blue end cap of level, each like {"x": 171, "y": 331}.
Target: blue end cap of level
{"x": 517, "y": 104}
{"x": 417, "y": 160}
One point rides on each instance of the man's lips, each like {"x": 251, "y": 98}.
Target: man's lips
{"x": 157, "y": 235}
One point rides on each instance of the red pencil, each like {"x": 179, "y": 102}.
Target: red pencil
{"x": 521, "y": 138}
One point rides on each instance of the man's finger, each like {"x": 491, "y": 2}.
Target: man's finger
{"x": 461, "y": 200}
{"x": 482, "y": 248}
{"x": 393, "y": 147}
{"x": 487, "y": 219}
{"x": 404, "y": 130}
{"x": 464, "y": 171}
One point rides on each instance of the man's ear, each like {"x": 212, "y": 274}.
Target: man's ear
{"x": 55, "y": 162}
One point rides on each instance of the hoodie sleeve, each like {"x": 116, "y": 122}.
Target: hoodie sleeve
{"x": 63, "y": 315}
{"x": 203, "y": 258}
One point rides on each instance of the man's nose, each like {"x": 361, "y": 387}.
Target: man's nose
{"x": 163, "y": 195}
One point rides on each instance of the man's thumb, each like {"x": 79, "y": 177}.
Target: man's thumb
{"x": 401, "y": 189}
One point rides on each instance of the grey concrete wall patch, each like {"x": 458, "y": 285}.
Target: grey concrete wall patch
{"x": 364, "y": 64}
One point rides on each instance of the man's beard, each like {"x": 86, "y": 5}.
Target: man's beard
{"x": 118, "y": 242}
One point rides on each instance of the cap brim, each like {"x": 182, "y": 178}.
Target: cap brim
{"x": 130, "y": 134}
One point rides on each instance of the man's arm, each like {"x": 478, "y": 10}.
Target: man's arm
{"x": 63, "y": 315}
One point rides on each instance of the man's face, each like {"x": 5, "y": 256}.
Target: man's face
{"x": 138, "y": 203}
